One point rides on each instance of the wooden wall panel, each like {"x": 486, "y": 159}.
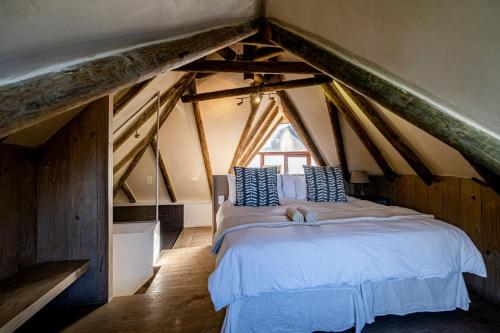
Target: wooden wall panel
{"x": 462, "y": 202}
{"x": 73, "y": 200}
{"x": 17, "y": 210}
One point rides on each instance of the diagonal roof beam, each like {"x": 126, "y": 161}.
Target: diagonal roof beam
{"x": 128, "y": 192}
{"x": 333, "y": 112}
{"x": 259, "y": 145}
{"x": 131, "y": 93}
{"x": 472, "y": 142}
{"x": 403, "y": 147}
{"x": 164, "y": 173}
{"x": 24, "y": 103}
{"x": 360, "y": 131}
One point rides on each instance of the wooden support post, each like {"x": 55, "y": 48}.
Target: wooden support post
{"x": 254, "y": 141}
{"x": 293, "y": 115}
{"x": 401, "y": 145}
{"x": 164, "y": 173}
{"x": 360, "y": 131}
{"x": 173, "y": 92}
{"x": 248, "y": 54}
{"x": 128, "y": 192}
{"x": 254, "y": 107}
{"x": 202, "y": 138}
{"x": 223, "y": 66}
{"x": 124, "y": 99}
{"x": 27, "y": 102}
{"x": 266, "y": 138}
{"x": 152, "y": 132}
{"x": 333, "y": 112}
{"x": 471, "y": 141}
{"x": 277, "y": 86}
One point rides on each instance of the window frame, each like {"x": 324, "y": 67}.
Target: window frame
{"x": 286, "y": 155}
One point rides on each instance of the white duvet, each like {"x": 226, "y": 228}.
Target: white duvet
{"x": 260, "y": 251}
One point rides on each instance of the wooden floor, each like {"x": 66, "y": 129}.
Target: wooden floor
{"x": 177, "y": 300}
{"x": 191, "y": 237}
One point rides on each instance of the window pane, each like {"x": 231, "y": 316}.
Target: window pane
{"x": 295, "y": 164}
{"x": 255, "y": 163}
{"x": 275, "y": 160}
{"x": 284, "y": 139}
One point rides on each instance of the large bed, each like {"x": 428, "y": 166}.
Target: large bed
{"x": 359, "y": 261}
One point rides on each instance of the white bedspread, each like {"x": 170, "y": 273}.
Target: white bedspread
{"x": 260, "y": 251}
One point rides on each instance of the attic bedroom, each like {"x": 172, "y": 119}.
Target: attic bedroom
{"x": 249, "y": 166}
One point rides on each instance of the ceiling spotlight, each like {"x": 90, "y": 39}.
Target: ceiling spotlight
{"x": 256, "y": 99}
{"x": 271, "y": 97}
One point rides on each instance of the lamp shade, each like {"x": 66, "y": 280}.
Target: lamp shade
{"x": 359, "y": 177}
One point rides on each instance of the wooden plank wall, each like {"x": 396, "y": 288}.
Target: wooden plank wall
{"x": 462, "y": 202}
{"x": 17, "y": 210}
{"x": 73, "y": 200}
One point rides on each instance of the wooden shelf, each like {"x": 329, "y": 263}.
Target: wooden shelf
{"x": 26, "y": 293}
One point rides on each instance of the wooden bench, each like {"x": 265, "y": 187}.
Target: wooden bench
{"x": 26, "y": 293}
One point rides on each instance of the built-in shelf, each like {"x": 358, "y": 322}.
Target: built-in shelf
{"x": 26, "y": 293}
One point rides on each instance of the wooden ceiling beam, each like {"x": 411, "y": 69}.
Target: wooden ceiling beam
{"x": 360, "y": 131}
{"x": 293, "y": 115}
{"x": 257, "y": 40}
{"x": 120, "y": 103}
{"x": 277, "y": 86}
{"x": 202, "y": 138}
{"x": 174, "y": 92}
{"x": 491, "y": 179}
{"x": 223, "y": 66}
{"x": 397, "y": 141}
{"x": 228, "y": 53}
{"x": 128, "y": 192}
{"x": 164, "y": 173}
{"x": 37, "y": 98}
{"x": 254, "y": 107}
{"x": 164, "y": 114}
{"x": 334, "y": 116}
{"x": 263, "y": 141}
{"x": 265, "y": 53}
{"x": 471, "y": 141}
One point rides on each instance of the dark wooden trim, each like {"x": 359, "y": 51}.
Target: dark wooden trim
{"x": 254, "y": 107}
{"x": 360, "y": 131}
{"x": 397, "y": 141}
{"x": 120, "y": 103}
{"x": 202, "y": 138}
{"x": 169, "y": 106}
{"x": 224, "y": 66}
{"x": 277, "y": 86}
{"x": 128, "y": 192}
{"x": 469, "y": 140}
{"x": 164, "y": 173}
{"x": 293, "y": 115}
{"x": 173, "y": 92}
{"x": 30, "y": 101}
{"x": 333, "y": 112}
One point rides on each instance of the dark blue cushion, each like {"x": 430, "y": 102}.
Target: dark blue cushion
{"x": 324, "y": 183}
{"x": 256, "y": 186}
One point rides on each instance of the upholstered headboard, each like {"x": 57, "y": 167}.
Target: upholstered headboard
{"x": 220, "y": 187}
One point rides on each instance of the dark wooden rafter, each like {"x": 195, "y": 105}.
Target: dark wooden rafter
{"x": 248, "y": 54}
{"x": 265, "y": 53}
{"x": 277, "y": 86}
{"x": 32, "y": 100}
{"x": 255, "y": 140}
{"x": 257, "y": 40}
{"x": 401, "y": 145}
{"x": 124, "y": 99}
{"x": 202, "y": 138}
{"x": 228, "y": 53}
{"x": 254, "y": 107}
{"x": 360, "y": 131}
{"x": 173, "y": 92}
{"x": 164, "y": 113}
{"x": 164, "y": 173}
{"x": 263, "y": 141}
{"x": 223, "y": 66}
{"x": 293, "y": 115}
{"x": 491, "y": 179}
{"x": 333, "y": 112}
{"x": 469, "y": 140}
{"x": 128, "y": 192}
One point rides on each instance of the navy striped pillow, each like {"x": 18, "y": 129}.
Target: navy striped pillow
{"x": 324, "y": 183}
{"x": 256, "y": 186}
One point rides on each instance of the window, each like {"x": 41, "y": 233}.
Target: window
{"x": 285, "y": 150}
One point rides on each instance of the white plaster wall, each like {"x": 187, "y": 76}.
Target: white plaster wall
{"x": 197, "y": 214}
{"x": 35, "y": 34}
{"x": 448, "y": 48}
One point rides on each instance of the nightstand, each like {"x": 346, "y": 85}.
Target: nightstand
{"x": 374, "y": 198}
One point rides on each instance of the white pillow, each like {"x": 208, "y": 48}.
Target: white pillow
{"x": 300, "y": 187}
{"x": 288, "y": 186}
{"x": 231, "y": 180}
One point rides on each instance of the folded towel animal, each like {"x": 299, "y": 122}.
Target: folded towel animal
{"x": 294, "y": 215}
{"x": 309, "y": 215}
